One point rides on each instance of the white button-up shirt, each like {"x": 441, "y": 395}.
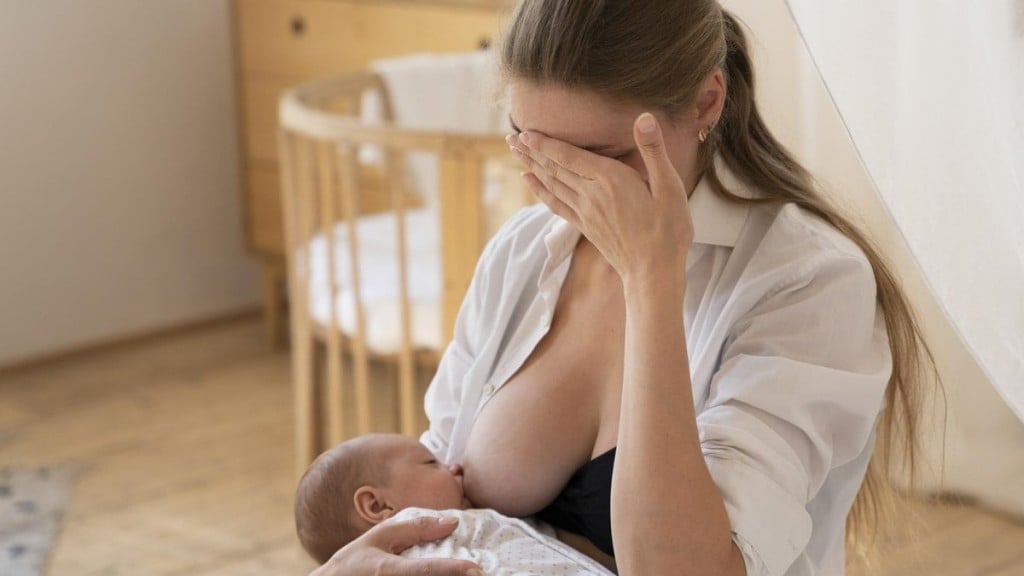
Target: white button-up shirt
{"x": 788, "y": 352}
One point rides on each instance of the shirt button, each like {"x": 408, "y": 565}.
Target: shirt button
{"x": 488, "y": 390}
{"x": 545, "y": 319}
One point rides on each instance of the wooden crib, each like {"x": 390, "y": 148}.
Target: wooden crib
{"x": 330, "y": 195}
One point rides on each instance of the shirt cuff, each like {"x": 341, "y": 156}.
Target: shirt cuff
{"x": 770, "y": 527}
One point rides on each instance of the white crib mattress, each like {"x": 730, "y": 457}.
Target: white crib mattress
{"x": 378, "y": 271}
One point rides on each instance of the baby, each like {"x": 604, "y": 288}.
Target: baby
{"x": 379, "y": 477}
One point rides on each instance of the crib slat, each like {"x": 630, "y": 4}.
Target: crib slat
{"x": 407, "y": 400}
{"x": 296, "y": 209}
{"x": 329, "y": 215}
{"x": 462, "y": 229}
{"x": 349, "y": 173}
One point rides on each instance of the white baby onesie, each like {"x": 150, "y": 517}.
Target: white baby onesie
{"x": 503, "y": 546}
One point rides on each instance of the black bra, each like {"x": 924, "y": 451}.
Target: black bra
{"x": 584, "y": 506}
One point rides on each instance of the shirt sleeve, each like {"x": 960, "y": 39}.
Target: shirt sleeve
{"x": 444, "y": 398}
{"x": 797, "y": 393}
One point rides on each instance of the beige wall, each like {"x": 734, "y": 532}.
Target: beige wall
{"x": 119, "y": 178}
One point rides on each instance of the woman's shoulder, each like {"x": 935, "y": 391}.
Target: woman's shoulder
{"x": 784, "y": 231}
{"x": 795, "y": 242}
{"x": 530, "y": 220}
{"x": 800, "y": 224}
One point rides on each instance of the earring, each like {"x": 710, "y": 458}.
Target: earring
{"x": 704, "y": 133}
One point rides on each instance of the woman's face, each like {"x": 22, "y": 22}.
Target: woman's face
{"x": 586, "y": 120}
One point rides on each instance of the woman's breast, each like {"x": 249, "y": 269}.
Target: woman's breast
{"x": 555, "y": 413}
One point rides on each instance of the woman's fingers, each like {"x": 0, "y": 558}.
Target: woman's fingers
{"x": 556, "y": 205}
{"x": 570, "y": 165}
{"x": 550, "y": 182}
{"x": 395, "y": 537}
{"x": 376, "y": 552}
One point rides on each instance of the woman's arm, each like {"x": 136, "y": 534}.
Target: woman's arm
{"x": 667, "y": 514}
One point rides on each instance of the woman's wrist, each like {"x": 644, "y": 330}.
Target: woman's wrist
{"x": 653, "y": 289}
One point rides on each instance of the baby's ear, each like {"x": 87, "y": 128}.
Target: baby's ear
{"x": 371, "y": 505}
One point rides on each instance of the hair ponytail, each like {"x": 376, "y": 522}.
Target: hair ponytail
{"x": 742, "y": 136}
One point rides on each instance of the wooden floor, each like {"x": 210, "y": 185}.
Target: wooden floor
{"x": 183, "y": 446}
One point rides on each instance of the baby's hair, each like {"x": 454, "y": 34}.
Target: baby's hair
{"x": 325, "y": 517}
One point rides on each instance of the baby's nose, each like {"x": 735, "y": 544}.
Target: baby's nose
{"x": 455, "y": 469}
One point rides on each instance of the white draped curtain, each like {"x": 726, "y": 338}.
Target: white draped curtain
{"x": 932, "y": 93}
{"x": 911, "y": 115}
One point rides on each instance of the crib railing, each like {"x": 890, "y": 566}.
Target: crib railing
{"x": 325, "y": 182}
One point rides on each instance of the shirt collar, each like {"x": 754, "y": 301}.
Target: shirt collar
{"x": 716, "y": 220}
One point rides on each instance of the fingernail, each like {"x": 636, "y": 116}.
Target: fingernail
{"x": 448, "y": 521}
{"x": 509, "y": 140}
{"x": 474, "y": 572}
{"x": 646, "y": 123}
{"x": 525, "y": 138}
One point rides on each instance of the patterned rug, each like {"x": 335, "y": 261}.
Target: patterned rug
{"x": 32, "y": 504}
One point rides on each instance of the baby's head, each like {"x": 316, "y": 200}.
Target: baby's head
{"x": 364, "y": 481}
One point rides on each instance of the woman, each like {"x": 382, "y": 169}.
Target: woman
{"x": 678, "y": 359}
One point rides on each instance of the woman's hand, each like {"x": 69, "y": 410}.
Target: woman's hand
{"x": 642, "y": 228}
{"x": 375, "y": 553}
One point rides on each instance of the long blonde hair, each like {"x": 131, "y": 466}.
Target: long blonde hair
{"x": 657, "y": 56}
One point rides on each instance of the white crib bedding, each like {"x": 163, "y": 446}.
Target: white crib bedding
{"x": 378, "y": 271}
